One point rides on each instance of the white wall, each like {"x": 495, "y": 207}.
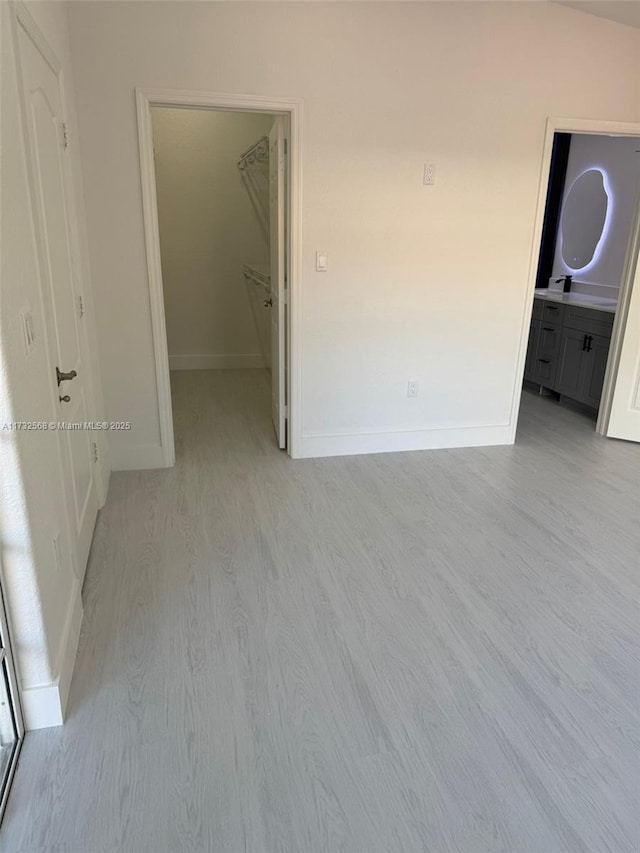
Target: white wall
{"x": 43, "y": 598}
{"x": 208, "y": 230}
{"x": 427, "y": 284}
{"x": 620, "y": 160}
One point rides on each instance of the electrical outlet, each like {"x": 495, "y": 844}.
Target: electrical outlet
{"x": 412, "y": 389}
{"x": 429, "y": 178}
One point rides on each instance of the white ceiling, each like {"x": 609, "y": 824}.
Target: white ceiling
{"x": 623, "y": 11}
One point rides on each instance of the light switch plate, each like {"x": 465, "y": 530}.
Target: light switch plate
{"x": 322, "y": 262}
{"x": 429, "y": 178}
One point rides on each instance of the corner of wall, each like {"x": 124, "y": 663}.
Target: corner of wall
{"x": 45, "y": 705}
{"x": 138, "y": 457}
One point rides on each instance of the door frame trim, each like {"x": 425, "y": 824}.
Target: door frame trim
{"x": 14, "y": 697}
{"x": 593, "y": 127}
{"x": 620, "y": 325}
{"x": 290, "y": 108}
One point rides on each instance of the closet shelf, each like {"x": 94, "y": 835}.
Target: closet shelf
{"x": 259, "y": 274}
{"x": 257, "y": 154}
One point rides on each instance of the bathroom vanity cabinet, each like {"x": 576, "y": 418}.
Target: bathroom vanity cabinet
{"x": 568, "y": 350}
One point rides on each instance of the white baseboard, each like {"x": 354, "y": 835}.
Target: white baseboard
{"x": 137, "y": 457}
{"x": 104, "y": 471}
{"x": 140, "y": 457}
{"x": 216, "y": 362}
{"x": 45, "y": 705}
{"x": 103, "y": 485}
{"x": 352, "y": 444}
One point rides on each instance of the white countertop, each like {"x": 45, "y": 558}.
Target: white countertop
{"x": 582, "y": 300}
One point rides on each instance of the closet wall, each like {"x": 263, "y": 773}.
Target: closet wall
{"x": 209, "y": 228}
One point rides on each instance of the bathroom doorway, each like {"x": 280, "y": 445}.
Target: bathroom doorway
{"x": 583, "y": 279}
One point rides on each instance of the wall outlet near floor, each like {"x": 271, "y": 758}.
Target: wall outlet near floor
{"x": 412, "y": 389}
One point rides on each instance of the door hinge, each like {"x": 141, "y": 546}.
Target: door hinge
{"x": 80, "y": 306}
{"x": 286, "y": 412}
{"x": 94, "y": 448}
{"x": 65, "y": 134}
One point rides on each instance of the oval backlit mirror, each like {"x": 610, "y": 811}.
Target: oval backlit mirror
{"x": 584, "y": 214}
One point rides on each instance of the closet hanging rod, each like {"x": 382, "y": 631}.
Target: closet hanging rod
{"x": 257, "y": 153}
{"x": 259, "y": 274}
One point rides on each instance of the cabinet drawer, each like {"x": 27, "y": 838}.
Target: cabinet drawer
{"x": 552, "y": 312}
{"x": 537, "y": 309}
{"x": 544, "y": 370}
{"x": 588, "y": 320}
{"x": 549, "y": 339}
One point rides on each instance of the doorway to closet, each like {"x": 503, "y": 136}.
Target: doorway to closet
{"x": 218, "y": 195}
{"x": 220, "y": 189}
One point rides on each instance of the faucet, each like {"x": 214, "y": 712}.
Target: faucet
{"x": 567, "y": 283}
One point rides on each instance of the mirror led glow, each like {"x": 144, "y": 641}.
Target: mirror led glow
{"x": 586, "y": 215}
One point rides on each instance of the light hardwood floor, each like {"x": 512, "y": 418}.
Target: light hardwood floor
{"x": 430, "y": 651}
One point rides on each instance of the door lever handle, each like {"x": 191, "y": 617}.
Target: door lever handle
{"x": 63, "y": 377}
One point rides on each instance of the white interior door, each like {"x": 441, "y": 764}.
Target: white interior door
{"x": 624, "y": 417}
{"x": 50, "y": 179}
{"x": 277, "y": 172}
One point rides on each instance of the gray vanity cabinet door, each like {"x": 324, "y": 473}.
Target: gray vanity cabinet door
{"x": 595, "y": 367}
{"x": 570, "y": 379}
{"x": 552, "y": 313}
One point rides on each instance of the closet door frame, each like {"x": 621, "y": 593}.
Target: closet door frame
{"x": 291, "y": 109}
